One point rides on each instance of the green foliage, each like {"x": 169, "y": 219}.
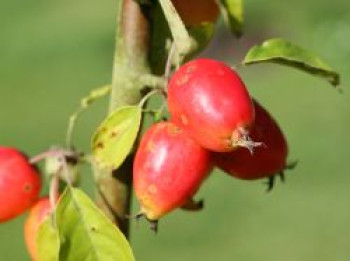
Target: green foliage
{"x": 233, "y": 15}
{"x": 87, "y": 234}
{"x": 115, "y": 137}
{"x": 282, "y": 52}
{"x": 48, "y": 241}
{"x": 80, "y": 231}
{"x": 202, "y": 35}
{"x": 103, "y": 241}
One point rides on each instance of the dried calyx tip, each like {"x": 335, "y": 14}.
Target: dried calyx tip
{"x": 270, "y": 183}
{"x": 282, "y": 176}
{"x": 272, "y": 179}
{"x": 153, "y": 223}
{"x": 246, "y": 142}
{"x": 292, "y": 165}
{"x": 192, "y": 205}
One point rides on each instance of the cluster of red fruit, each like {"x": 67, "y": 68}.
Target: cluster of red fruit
{"x": 20, "y": 185}
{"x": 214, "y": 122}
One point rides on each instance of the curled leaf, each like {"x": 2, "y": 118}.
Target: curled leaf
{"x": 283, "y": 52}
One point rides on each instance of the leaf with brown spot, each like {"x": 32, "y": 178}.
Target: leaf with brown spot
{"x": 115, "y": 137}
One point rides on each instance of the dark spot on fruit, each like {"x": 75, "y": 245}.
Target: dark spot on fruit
{"x": 27, "y": 188}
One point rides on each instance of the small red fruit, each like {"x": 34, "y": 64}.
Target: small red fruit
{"x": 266, "y": 160}
{"x": 209, "y": 100}
{"x": 20, "y": 184}
{"x": 169, "y": 167}
{"x": 37, "y": 215}
{"x": 196, "y": 12}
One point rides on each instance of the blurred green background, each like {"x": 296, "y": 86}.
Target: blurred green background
{"x": 54, "y": 52}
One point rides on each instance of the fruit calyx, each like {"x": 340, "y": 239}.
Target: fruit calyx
{"x": 271, "y": 181}
{"x": 244, "y": 140}
{"x": 153, "y": 224}
{"x": 193, "y": 205}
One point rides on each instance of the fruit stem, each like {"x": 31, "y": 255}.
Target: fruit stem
{"x": 168, "y": 64}
{"x": 66, "y": 171}
{"x": 53, "y": 196}
{"x": 54, "y": 190}
{"x": 55, "y": 152}
{"x": 146, "y": 97}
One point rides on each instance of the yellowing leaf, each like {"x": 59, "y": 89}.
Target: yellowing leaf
{"x": 114, "y": 138}
{"x": 47, "y": 242}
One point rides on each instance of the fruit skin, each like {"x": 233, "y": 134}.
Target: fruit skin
{"x": 209, "y": 100}
{"x": 37, "y": 215}
{"x": 20, "y": 184}
{"x": 266, "y": 160}
{"x": 168, "y": 169}
{"x": 196, "y": 12}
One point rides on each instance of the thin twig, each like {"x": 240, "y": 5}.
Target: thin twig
{"x": 169, "y": 61}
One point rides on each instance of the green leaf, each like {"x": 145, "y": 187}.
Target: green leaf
{"x": 115, "y": 137}
{"x": 282, "y": 52}
{"x": 202, "y": 34}
{"x": 85, "y": 233}
{"x": 233, "y": 14}
{"x": 47, "y": 241}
